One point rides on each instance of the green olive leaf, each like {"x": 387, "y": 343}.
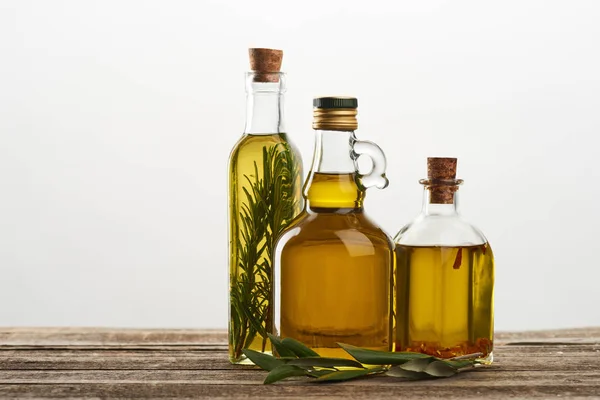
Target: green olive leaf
{"x": 284, "y": 371}
{"x": 374, "y": 357}
{"x": 349, "y": 374}
{"x": 298, "y": 348}
{"x": 265, "y": 361}
{"x": 299, "y": 360}
{"x": 325, "y": 362}
{"x": 280, "y": 348}
{"x": 319, "y": 372}
{"x": 458, "y": 364}
{"x": 398, "y": 372}
{"x": 417, "y": 365}
{"x": 440, "y": 369}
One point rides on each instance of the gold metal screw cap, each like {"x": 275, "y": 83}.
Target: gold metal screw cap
{"x": 335, "y": 113}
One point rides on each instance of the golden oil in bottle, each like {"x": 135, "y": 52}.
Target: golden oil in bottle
{"x": 265, "y": 195}
{"x": 265, "y": 172}
{"x": 444, "y": 276}
{"x": 334, "y": 265}
{"x": 335, "y": 272}
{"x": 445, "y": 303}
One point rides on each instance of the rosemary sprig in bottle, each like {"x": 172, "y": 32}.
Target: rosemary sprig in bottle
{"x": 269, "y": 204}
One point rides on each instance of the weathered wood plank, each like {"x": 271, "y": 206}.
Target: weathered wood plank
{"x": 512, "y": 358}
{"x": 160, "y": 337}
{"x": 108, "y": 363}
{"x": 540, "y": 349}
{"x": 108, "y": 336}
{"x": 181, "y": 390}
{"x": 493, "y": 376}
{"x": 140, "y": 348}
{"x": 572, "y": 335}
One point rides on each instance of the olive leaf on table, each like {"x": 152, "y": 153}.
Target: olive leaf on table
{"x": 298, "y": 360}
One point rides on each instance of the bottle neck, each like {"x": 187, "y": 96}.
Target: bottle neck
{"x": 264, "y": 105}
{"x": 333, "y": 152}
{"x": 439, "y": 209}
{"x": 332, "y": 181}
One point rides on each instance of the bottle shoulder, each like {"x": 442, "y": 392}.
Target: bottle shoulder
{"x": 250, "y": 144}
{"x": 292, "y": 146}
{"x": 327, "y": 227}
{"x": 439, "y": 230}
{"x": 252, "y": 151}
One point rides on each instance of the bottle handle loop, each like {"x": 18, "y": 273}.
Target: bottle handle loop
{"x": 376, "y": 177}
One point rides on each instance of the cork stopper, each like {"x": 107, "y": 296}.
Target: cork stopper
{"x": 266, "y": 63}
{"x": 441, "y": 168}
{"x": 441, "y": 174}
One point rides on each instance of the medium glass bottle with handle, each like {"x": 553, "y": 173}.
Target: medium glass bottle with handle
{"x": 444, "y": 275}
{"x": 333, "y": 264}
{"x": 265, "y": 173}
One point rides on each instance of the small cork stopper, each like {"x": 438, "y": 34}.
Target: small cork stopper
{"x": 264, "y": 62}
{"x": 439, "y": 172}
{"x": 441, "y": 168}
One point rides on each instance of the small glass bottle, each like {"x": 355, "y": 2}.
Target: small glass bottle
{"x": 333, "y": 264}
{"x": 265, "y": 177}
{"x": 444, "y": 275}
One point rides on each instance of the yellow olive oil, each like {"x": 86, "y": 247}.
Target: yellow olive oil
{"x": 444, "y": 301}
{"x": 335, "y": 271}
{"x": 264, "y": 196}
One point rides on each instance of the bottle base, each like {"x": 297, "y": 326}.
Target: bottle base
{"x": 482, "y": 346}
{"x": 243, "y": 360}
{"x": 487, "y": 360}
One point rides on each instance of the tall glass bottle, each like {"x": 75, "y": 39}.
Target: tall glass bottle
{"x": 265, "y": 172}
{"x": 333, "y": 264}
{"x": 444, "y": 275}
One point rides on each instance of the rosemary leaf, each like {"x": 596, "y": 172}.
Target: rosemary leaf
{"x": 267, "y": 203}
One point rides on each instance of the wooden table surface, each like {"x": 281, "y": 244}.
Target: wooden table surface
{"x": 113, "y": 363}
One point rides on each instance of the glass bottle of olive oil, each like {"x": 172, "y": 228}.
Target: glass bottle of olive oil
{"x": 333, "y": 264}
{"x": 265, "y": 172}
{"x": 444, "y": 276}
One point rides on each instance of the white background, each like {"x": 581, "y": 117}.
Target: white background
{"x": 117, "y": 118}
